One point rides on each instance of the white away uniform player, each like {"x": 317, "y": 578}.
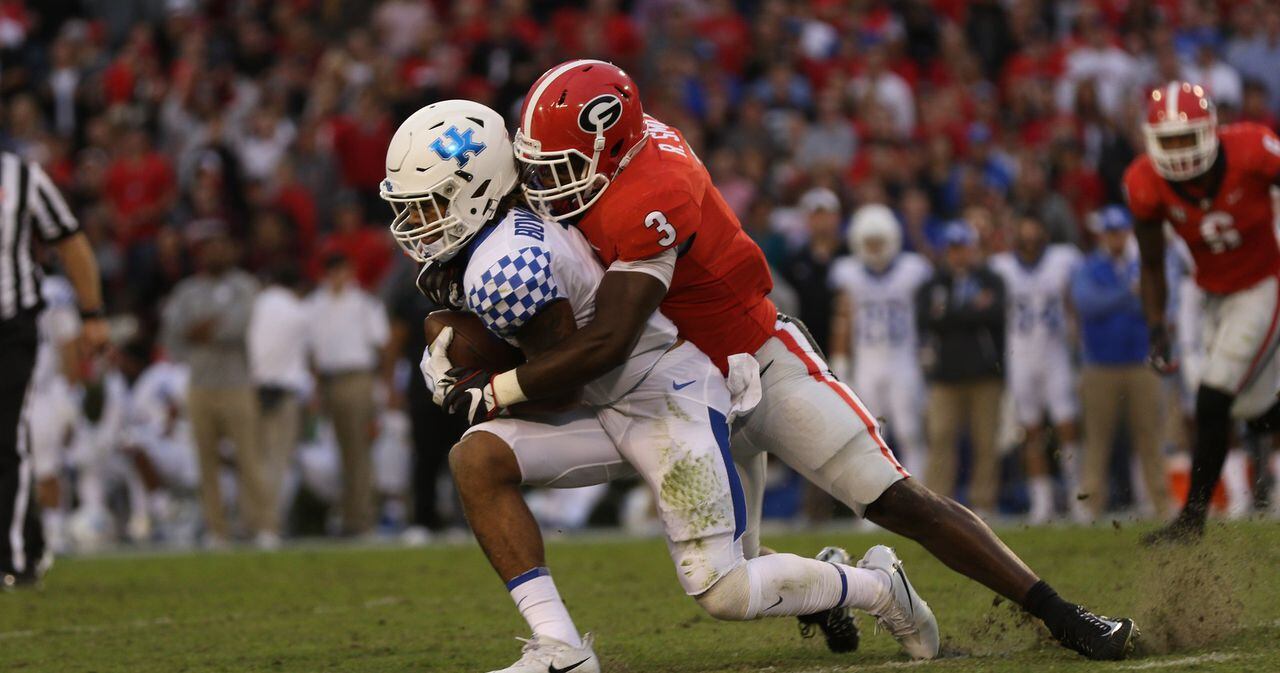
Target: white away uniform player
{"x": 663, "y": 413}
{"x": 1040, "y": 375}
{"x": 875, "y": 327}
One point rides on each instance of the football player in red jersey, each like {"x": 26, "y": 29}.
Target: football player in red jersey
{"x": 648, "y": 207}
{"x": 1212, "y": 186}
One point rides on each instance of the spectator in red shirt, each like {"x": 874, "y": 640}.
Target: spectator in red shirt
{"x": 139, "y": 188}
{"x": 360, "y": 142}
{"x": 368, "y": 247}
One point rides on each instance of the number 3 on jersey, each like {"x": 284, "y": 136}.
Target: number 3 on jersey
{"x": 1218, "y": 230}
{"x": 659, "y": 220}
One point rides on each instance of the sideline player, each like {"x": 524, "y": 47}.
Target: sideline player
{"x": 643, "y": 199}
{"x": 451, "y": 179}
{"x": 875, "y": 327}
{"x": 1041, "y": 378}
{"x": 1212, "y": 186}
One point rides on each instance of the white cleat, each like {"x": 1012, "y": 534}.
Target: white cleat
{"x": 907, "y": 616}
{"x": 542, "y": 654}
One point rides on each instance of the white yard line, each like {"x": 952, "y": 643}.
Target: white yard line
{"x": 1211, "y": 658}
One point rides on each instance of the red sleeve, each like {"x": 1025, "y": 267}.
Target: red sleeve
{"x": 1268, "y": 161}
{"x": 656, "y": 222}
{"x": 1141, "y": 191}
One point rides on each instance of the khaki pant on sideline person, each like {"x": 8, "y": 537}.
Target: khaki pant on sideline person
{"x": 279, "y": 424}
{"x": 348, "y": 401}
{"x": 230, "y": 413}
{"x": 1108, "y": 392}
{"x": 951, "y": 408}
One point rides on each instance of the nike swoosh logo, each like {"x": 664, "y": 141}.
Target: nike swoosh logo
{"x": 775, "y": 604}
{"x": 682, "y": 386}
{"x": 907, "y": 585}
{"x": 765, "y": 368}
{"x": 551, "y": 668}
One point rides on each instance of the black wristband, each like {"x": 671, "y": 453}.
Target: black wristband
{"x": 92, "y": 314}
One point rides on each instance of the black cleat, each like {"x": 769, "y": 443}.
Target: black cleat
{"x": 1098, "y": 638}
{"x": 837, "y": 624}
{"x": 1183, "y": 530}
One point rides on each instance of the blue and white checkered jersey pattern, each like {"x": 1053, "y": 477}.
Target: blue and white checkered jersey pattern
{"x": 512, "y": 290}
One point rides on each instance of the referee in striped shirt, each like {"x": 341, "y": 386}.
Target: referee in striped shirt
{"x": 31, "y": 210}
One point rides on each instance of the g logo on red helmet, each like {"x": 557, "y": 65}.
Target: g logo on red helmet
{"x": 600, "y": 113}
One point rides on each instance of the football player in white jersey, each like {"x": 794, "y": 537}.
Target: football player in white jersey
{"x": 663, "y": 414}
{"x": 874, "y": 343}
{"x": 1040, "y": 374}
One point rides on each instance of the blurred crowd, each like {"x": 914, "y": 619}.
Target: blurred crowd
{"x": 223, "y": 156}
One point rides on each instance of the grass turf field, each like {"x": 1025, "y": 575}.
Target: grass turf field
{"x": 1213, "y": 608}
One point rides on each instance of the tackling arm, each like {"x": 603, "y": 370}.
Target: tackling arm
{"x": 1155, "y": 288}
{"x": 624, "y": 302}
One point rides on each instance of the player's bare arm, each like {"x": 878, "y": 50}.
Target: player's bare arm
{"x": 1154, "y": 291}
{"x": 544, "y": 334}
{"x": 624, "y": 303}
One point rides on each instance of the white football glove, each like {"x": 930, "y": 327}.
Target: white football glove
{"x": 435, "y": 366}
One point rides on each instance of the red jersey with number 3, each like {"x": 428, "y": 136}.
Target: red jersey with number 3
{"x": 1232, "y": 234}
{"x": 664, "y": 199}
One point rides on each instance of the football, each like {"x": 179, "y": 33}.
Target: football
{"x": 473, "y": 345}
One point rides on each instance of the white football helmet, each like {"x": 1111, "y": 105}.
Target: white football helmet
{"x": 448, "y": 167}
{"x": 871, "y": 222}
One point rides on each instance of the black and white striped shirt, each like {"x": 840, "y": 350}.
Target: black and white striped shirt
{"x": 28, "y": 200}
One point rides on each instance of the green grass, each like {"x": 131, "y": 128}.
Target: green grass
{"x": 442, "y": 609}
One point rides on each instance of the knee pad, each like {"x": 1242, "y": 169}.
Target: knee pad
{"x": 730, "y": 598}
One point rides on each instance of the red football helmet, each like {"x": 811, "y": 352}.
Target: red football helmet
{"x": 581, "y": 123}
{"x": 1181, "y": 131}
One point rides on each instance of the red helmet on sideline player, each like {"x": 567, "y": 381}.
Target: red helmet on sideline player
{"x": 580, "y": 124}
{"x": 1181, "y": 131}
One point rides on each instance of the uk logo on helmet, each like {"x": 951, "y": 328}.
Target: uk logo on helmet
{"x": 600, "y": 113}
{"x": 455, "y": 145}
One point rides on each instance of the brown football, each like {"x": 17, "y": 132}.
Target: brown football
{"x": 472, "y": 345}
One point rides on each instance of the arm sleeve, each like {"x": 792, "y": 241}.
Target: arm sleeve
{"x": 1269, "y": 160}
{"x": 512, "y": 290}
{"x": 652, "y": 228}
{"x": 841, "y": 275}
{"x": 662, "y": 266}
{"x": 52, "y": 217}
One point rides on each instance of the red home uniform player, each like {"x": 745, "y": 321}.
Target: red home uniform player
{"x": 1232, "y": 238}
{"x": 663, "y": 203}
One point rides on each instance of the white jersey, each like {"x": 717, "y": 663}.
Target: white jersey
{"x": 523, "y": 263}
{"x": 1036, "y": 296}
{"x": 58, "y": 323}
{"x": 884, "y": 318}
{"x": 156, "y": 421}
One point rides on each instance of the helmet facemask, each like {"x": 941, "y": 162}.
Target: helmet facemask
{"x": 1182, "y": 150}
{"x": 561, "y": 184}
{"x": 427, "y": 226}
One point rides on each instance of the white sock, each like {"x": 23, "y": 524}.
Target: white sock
{"x": 1041, "y": 498}
{"x": 806, "y": 585}
{"x": 539, "y": 603}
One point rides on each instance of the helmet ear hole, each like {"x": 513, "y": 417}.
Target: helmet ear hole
{"x": 616, "y": 149}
